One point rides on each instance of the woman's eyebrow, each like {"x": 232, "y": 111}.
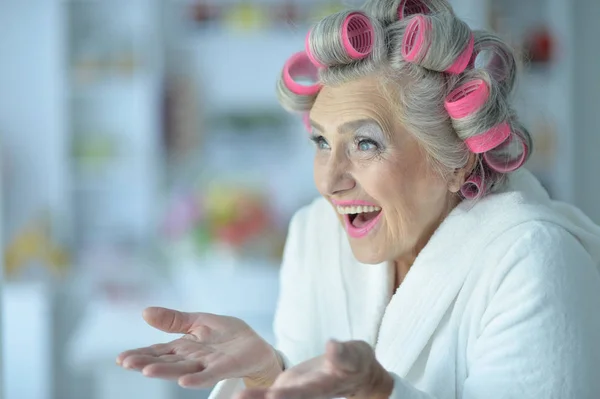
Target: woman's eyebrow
{"x": 353, "y": 126}
{"x": 350, "y": 126}
{"x": 317, "y": 126}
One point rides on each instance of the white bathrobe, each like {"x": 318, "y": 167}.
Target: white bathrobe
{"x": 502, "y": 303}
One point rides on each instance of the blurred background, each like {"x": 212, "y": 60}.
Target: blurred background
{"x": 144, "y": 160}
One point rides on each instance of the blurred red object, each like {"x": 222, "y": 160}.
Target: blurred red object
{"x": 540, "y": 46}
{"x": 204, "y": 12}
{"x": 287, "y": 13}
{"x": 253, "y": 221}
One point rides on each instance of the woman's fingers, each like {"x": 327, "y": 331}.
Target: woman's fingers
{"x": 173, "y": 370}
{"x": 203, "y": 379}
{"x": 313, "y": 385}
{"x": 346, "y": 356}
{"x": 138, "y": 362}
{"x": 133, "y": 352}
{"x": 169, "y": 320}
{"x": 154, "y": 350}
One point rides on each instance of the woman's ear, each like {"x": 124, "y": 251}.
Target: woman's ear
{"x": 459, "y": 176}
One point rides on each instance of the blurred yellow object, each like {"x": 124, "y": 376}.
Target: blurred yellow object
{"x": 327, "y": 10}
{"x": 221, "y": 205}
{"x": 34, "y": 244}
{"x": 246, "y": 17}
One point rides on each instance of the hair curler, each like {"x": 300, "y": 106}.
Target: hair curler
{"x": 356, "y": 39}
{"x": 472, "y": 188}
{"x": 309, "y": 53}
{"x": 416, "y": 38}
{"x": 490, "y": 139}
{"x": 412, "y": 7}
{"x": 417, "y": 42}
{"x": 357, "y": 36}
{"x": 496, "y": 59}
{"x": 297, "y": 67}
{"x": 467, "y": 99}
{"x": 503, "y": 164}
{"x": 462, "y": 62}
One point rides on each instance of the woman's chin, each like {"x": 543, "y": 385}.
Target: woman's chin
{"x": 363, "y": 252}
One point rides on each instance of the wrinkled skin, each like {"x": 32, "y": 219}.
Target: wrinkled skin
{"x": 347, "y": 369}
{"x": 212, "y": 348}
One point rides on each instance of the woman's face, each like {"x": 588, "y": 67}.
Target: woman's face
{"x": 375, "y": 174}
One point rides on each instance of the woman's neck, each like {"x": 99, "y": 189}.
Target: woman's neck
{"x": 403, "y": 263}
{"x": 400, "y": 271}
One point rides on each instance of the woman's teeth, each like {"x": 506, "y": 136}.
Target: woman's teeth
{"x": 348, "y": 210}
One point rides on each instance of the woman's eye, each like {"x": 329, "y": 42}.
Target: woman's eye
{"x": 367, "y": 145}
{"x": 320, "y": 142}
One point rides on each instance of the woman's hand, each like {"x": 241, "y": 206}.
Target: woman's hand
{"x": 213, "y": 348}
{"x": 347, "y": 369}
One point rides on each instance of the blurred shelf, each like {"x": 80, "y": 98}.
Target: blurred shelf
{"x": 114, "y": 91}
{"x": 241, "y": 65}
{"x": 107, "y": 89}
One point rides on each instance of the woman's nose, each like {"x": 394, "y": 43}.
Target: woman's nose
{"x": 334, "y": 177}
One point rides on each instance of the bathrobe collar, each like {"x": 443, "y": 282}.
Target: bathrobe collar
{"x": 399, "y": 326}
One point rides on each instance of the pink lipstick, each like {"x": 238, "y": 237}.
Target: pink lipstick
{"x": 359, "y": 225}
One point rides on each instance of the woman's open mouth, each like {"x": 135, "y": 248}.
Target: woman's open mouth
{"x": 360, "y": 217}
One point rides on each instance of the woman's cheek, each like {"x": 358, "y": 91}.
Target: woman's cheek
{"x": 319, "y": 173}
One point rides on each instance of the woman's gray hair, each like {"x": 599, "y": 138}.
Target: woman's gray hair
{"x": 387, "y": 11}
{"x": 419, "y": 88}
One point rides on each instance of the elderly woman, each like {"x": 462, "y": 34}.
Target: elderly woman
{"x": 431, "y": 267}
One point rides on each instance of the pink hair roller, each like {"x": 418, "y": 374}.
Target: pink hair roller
{"x": 357, "y": 36}
{"x": 496, "y": 66}
{"x": 411, "y": 7}
{"x": 462, "y": 62}
{"x": 416, "y": 41}
{"x": 467, "y": 99}
{"x": 489, "y": 140}
{"x": 310, "y": 54}
{"x": 414, "y": 38}
{"x": 505, "y": 166}
{"x": 473, "y": 187}
{"x": 298, "y": 66}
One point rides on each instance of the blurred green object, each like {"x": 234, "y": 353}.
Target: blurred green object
{"x": 94, "y": 150}
{"x": 253, "y": 120}
{"x": 202, "y": 237}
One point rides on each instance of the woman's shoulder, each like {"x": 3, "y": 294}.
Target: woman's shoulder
{"x": 529, "y": 231}
{"x": 540, "y": 259}
{"x": 541, "y": 239}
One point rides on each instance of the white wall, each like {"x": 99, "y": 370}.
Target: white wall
{"x": 32, "y": 111}
{"x": 473, "y": 12}
{"x": 2, "y": 384}
{"x": 586, "y": 103}
{"x": 34, "y": 150}
{"x": 27, "y": 341}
